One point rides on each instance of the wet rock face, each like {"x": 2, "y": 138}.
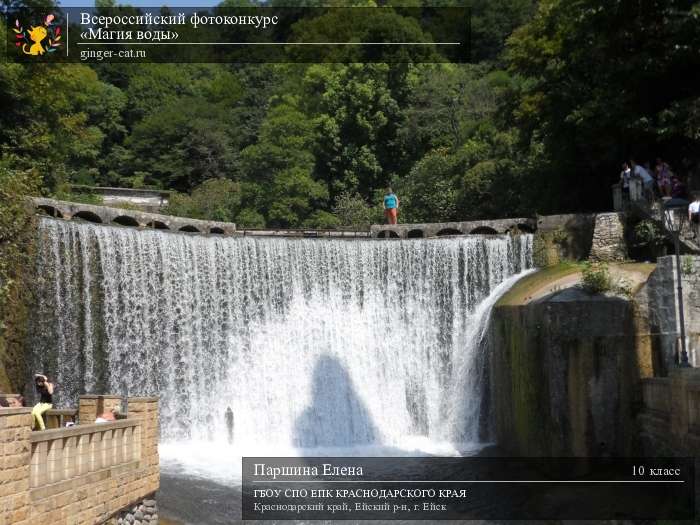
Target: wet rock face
{"x": 564, "y": 377}
{"x": 145, "y": 513}
{"x": 609, "y": 238}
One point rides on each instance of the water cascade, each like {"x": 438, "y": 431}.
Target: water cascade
{"x": 312, "y": 343}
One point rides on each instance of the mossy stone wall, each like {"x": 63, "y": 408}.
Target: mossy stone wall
{"x": 565, "y": 378}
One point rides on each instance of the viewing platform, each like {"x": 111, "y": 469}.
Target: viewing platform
{"x": 83, "y": 474}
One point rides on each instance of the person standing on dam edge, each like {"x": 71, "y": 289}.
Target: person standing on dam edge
{"x": 391, "y": 206}
{"x": 45, "y": 391}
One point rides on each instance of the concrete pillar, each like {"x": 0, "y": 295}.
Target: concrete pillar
{"x": 146, "y": 409}
{"x": 15, "y": 462}
{"x": 87, "y": 409}
{"x": 681, "y": 380}
{"x": 91, "y": 406}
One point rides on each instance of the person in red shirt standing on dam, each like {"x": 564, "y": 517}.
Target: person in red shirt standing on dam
{"x": 391, "y": 206}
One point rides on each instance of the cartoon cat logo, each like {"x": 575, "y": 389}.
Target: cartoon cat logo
{"x": 38, "y": 40}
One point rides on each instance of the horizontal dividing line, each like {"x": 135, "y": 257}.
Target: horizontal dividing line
{"x": 269, "y": 43}
{"x": 466, "y": 481}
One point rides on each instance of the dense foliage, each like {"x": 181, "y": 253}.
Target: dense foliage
{"x": 560, "y": 92}
{"x": 15, "y": 234}
{"x": 16, "y": 250}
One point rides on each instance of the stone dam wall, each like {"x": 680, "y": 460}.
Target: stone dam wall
{"x": 564, "y": 376}
{"x": 577, "y": 374}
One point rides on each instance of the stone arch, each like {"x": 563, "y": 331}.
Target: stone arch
{"x": 483, "y": 230}
{"x": 388, "y": 234}
{"x": 449, "y": 231}
{"x": 525, "y": 228}
{"x": 49, "y": 210}
{"x": 415, "y": 234}
{"x": 157, "y": 225}
{"x": 189, "y": 229}
{"x": 88, "y": 216}
{"x": 216, "y": 230}
{"x": 125, "y": 220}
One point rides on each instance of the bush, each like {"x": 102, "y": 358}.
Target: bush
{"x": 16, "y": 229}
{"x": 648, "y": 233}
{"x": 250, "y": 218}
{"x": 352, "y": 211}
{"x": 64, "y": 193}
{"x": 322, "y": 220}
{"x": 596, "y": 278}
{"x": 213, "y": 200}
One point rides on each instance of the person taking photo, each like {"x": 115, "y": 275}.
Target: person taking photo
{"x": 45, "y": 391}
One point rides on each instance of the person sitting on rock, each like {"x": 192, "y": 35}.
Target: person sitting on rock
{"x": 45, "y": 391}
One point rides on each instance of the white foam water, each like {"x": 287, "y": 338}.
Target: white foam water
{"x": 314, "y": 344}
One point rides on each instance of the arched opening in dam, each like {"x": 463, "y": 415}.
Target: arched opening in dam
{"x": 483, "y": 230}
{"x": 357, "y": 346}
{"x": 157, "y": 225}
{"x": 88, "y": 216}
{"x": 125, "y": 220}
{"x": 50, "y": 211}
{"x": 448, "y": 232}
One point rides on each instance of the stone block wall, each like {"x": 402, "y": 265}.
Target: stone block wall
{"x": 85, "y": 474}
{"x": 657, "y": 316}
{"x": 15, "y": 449}
{"x": 609, "y": 238}
{"x": 564, "y": 377}
{"x": 562, "y": 237}
{"x": 91, "y": 406}
{"x": 670, "y": 415}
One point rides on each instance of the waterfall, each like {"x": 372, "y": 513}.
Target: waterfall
{"x": 311, "y": 342}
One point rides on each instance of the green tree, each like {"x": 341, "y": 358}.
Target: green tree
{"x": 182, "y": 144}
{"x": 605, "y": 81}
{"x": 214, "y": 199}
{"x": 352, "y": 211}
{"x": 279, "y": 182}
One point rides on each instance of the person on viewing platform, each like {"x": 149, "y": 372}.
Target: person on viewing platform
{"x": 663, "y": 177}
{"x": 645, "y": 176}
{"x": 625, "y": 176}
{"x": 391, "y": 206}
{"x": 45, "y": 391}
{"x": 694, "y": 214}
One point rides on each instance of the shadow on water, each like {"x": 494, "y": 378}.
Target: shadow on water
{"x": 337, "y": 417}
